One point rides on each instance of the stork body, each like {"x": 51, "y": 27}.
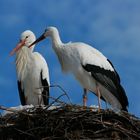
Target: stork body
{"x": 90, "y": 67}
{"x": 32, "y": 73}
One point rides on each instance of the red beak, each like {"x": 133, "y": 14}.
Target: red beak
{"x": 19, "y": 45}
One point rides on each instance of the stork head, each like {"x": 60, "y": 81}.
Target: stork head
{"x": 49, "y": 32}
{"x": 26, "y": 39}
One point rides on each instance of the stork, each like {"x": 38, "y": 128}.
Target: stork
{"x": 32, "y": 72}
{"x": 90, "y": 67}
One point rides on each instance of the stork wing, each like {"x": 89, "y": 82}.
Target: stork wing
{"x": 110, "y": 80}
{"x": 115, "y": 72}
{"x": 45, "y": 92}
{"x": 44, "y": 76}
{"x": 21, "y": 94}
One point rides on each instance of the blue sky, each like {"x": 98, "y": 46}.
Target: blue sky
{"x": 111, "y": 26}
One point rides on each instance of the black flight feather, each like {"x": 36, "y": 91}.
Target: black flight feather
{"x": 21, "y": 94}
{"x": 45, "y": 92}
{"x": 110, "y": 80}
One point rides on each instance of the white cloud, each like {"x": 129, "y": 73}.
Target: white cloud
{"x": 11, "y": 20}
{"x": 6, "y": 82}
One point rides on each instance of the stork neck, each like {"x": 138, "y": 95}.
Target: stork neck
{"x": 23, "y": 59}
{"x": 56, "y": 39}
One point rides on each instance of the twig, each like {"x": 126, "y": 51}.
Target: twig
{"x": 56, "y": 100}
{"x": 69, "y": 122}
{"x": 23, "y": 132}
{"x": 58, "y": 86}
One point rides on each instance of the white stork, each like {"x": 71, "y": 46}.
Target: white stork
{"x": 90, "y": 67}
{"x": 32, "y": 72}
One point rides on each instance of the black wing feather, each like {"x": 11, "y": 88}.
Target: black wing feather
{"x": 110, "y": 80}
{"x": 21, "y": 94}
{"x": 117, "y": 75}
{"x": 45, "y": 92}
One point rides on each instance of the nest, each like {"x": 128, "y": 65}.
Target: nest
{"x": 68, "y": 122}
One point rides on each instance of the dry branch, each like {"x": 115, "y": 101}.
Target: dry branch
{"x": 69, "y": 122}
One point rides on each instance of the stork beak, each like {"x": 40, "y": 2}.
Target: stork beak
{"x": 38, "y": 40}
{"x": 19, "y": 45}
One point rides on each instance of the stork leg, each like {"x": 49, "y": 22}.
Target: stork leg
{"x": 39, "y": 99}
{"x": 99, "y": 97}
{"x": 85, "y": 97}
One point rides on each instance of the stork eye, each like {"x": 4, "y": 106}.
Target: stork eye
{"x": 27, "y": 36}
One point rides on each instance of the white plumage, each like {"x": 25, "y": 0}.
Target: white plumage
{"x": 32, "y": 72}
{"x": 90, "y": 67}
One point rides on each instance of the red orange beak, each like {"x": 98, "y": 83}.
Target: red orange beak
{"x": 19, "y": 45}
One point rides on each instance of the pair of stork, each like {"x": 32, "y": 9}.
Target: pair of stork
{"x": 89, "y": 66}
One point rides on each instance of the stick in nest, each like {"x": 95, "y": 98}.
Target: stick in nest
{"x": 62, "y": 89}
